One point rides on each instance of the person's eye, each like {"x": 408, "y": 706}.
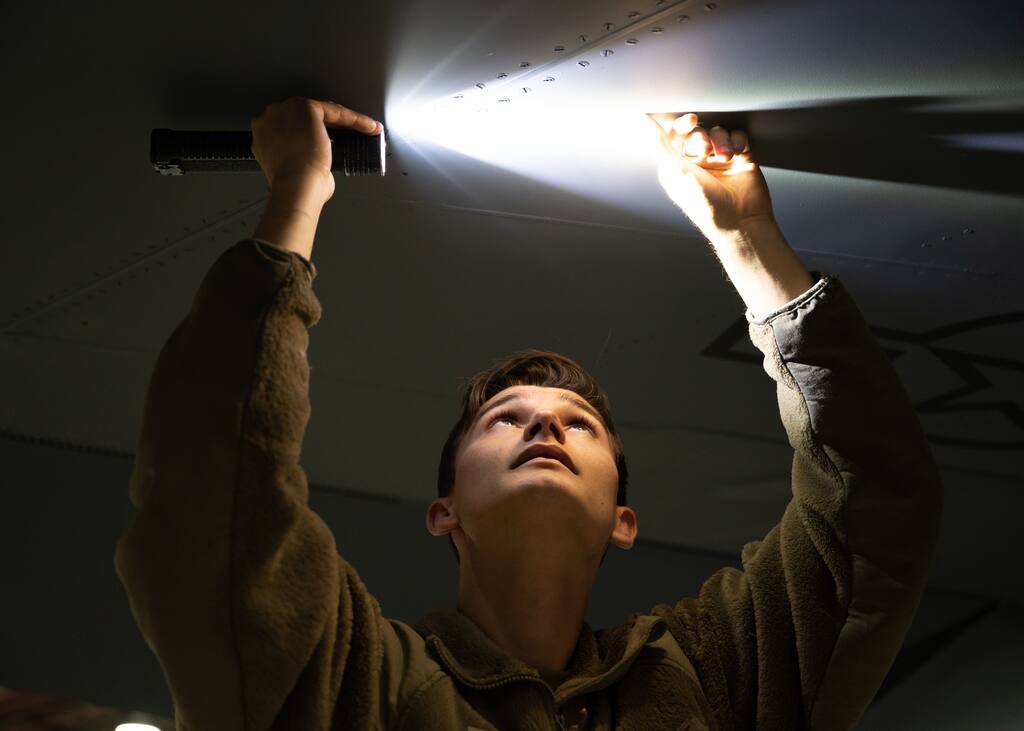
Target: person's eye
{"x": 503, "y": 416}
{"x": 580, "y": 421}
{"x": 511, "y": 418}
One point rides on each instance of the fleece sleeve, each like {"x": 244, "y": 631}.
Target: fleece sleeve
{"x": 234, "y": 582}
{"x": 805, "y": 634}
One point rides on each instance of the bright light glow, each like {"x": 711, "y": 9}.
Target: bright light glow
{"x": 739, "y": 167}
{"x": 519, "y": 135}
{"x": 563, "y": 141}
{"x": 135, "y": 727}
{"x": 694, "y": 146}
{"x": 546, "y": 140}
{"x": 584, "y": 130}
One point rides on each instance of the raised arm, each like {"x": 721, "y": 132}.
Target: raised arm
{"x": 805, "y": 634}
{"x": 234, "y": 581}
{"x": 290, "y": 142}
{"x": 712, "y": 177}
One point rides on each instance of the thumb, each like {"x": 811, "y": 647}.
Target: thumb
{"x": 660, "y": 141}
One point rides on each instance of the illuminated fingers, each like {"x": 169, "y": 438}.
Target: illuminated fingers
{"x": 715, "y": 150}
{"x": 662, "y": 127}
{"x": 684, "y": 124}
{"x": 722, "y": 143}
{"x": 721, "y": 150}
{"x": 336, "y": 115}
{"x": 697, "y": 143}
{"x": 740, "y": 143}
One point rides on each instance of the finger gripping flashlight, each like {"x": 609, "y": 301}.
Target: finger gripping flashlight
{"x": 176, "y": 152}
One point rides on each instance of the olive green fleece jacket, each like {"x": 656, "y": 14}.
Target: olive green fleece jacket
{"x": 258, "y": 623}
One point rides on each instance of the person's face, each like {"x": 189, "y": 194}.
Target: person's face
{"x": 567, "y": 501}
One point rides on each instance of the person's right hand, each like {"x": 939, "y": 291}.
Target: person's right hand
{"x": 290, "y": 142}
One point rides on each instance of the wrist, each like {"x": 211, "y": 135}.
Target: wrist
{"x": 750, "y": 233}
{"x": 291, "y": 216}
{"x": 761, "y": 265}
{"x": 305, "y": 193}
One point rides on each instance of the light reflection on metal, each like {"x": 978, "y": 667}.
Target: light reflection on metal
{"x": 665, "y": 11}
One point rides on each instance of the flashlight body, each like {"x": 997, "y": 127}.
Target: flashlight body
{"x": 176, "y": 152}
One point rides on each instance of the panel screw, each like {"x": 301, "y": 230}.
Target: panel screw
{"x": 559, "y": 49}
{"x": 657, "y": 29}
{"x": 683, "y": 18}
{"x": 583, "y": 38}
{"x": 968, "y": 231}
{"x": 549, "y": 78}
{"x": 527, "y": 90}
{"x": 504, "y": 99}
{"x": 659, "y": 3}
{"x": 524, "y": 65}
{"x": 502, "y": 75}
{"x": 633, "y": 14}
{"x": 457, "y": 96}
{"x": 607, "y": 52}
{"x": 710, "y": 6}
{"x": 946, "y": 238}
{"x": 631, "y": 41}
{"x": 583, "y": 64}
{"x": 609, "y": 26}
{"x": 481, "y": 86}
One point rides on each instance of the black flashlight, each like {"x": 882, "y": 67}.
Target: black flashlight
{"x": 176, "y": 152}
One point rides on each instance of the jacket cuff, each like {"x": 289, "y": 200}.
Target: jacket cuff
{"x": 273, "y": 250}
{"x": 822, "y": 281}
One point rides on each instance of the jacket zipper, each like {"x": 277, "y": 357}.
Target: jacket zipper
{"x": 558, "y": 717}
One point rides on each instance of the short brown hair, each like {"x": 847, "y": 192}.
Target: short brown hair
{"x": 528, "y": 368}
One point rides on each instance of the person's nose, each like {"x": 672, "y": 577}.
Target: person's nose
{"x": 544, "y": 423}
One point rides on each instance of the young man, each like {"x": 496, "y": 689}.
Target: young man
{"x": 260, "y": 624}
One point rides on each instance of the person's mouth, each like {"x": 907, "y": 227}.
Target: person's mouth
{"x": 550, "y": 451}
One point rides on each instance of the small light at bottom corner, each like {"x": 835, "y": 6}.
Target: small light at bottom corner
{"x": 135, "y": 727}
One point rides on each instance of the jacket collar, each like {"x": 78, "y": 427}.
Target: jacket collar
{"x": 598, "y": 660}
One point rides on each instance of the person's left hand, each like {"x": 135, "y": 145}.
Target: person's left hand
{"x": 712, "y": 176}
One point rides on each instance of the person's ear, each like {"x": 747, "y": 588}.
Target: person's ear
{"x": 441, "y": 518}
{"x": 625, "y": 530}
